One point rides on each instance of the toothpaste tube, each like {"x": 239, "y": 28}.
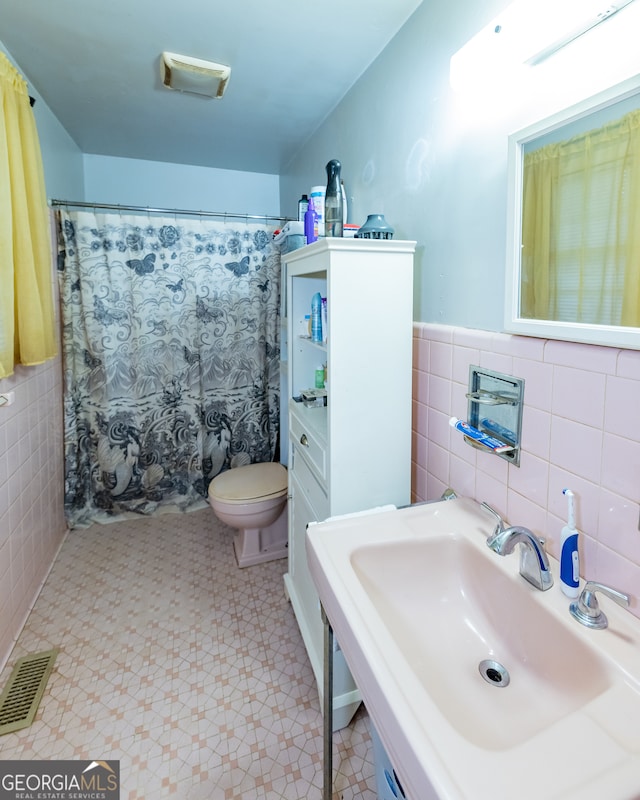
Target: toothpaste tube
{"x": 494, "y": 427}
{"x": 478, "y": 436}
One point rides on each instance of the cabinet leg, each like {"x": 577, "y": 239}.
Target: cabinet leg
{"x": 327, "y": 789}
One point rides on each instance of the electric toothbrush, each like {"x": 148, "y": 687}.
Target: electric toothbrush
{"x": 569, "y": 558}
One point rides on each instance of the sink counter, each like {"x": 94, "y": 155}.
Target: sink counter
{"x": 417, "y": 600}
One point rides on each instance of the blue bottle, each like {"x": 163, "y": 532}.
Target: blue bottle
{"x": 316, "y": 317}
{"x": 310, "y": 224}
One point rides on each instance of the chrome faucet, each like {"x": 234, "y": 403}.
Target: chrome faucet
{"x": 500, "y": 526}
{"x": 586, "y": 609}
{"x": 534, "y": 563}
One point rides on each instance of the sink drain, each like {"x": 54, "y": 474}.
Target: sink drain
{"x": 494, "y": 673}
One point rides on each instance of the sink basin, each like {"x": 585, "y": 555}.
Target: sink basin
{"x": 448, "y": 608}
{"x": 418, "y": 601}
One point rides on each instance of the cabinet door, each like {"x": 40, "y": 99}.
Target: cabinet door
{"x": 302, "y": 590}
{"x": 308, "y": 503}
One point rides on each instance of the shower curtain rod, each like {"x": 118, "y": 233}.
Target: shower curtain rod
{"x": 182, "y": 211}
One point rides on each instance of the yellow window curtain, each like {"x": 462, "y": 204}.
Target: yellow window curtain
{"x": 581, "y": 227}
{"x": 27, "y": 324}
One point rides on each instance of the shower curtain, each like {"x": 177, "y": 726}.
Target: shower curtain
{"x": 171, "y": 358}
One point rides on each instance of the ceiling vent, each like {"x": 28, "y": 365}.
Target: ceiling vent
{"x": 193, "y": 75}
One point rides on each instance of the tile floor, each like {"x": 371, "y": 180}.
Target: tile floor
{"x": 189, "y": 670}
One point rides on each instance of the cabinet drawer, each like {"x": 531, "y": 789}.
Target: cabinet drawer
{"x": 308, "y": 484}
{"x": 305, "y": 441}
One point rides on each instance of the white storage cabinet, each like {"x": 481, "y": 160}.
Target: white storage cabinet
{"x": 355, "y": 453}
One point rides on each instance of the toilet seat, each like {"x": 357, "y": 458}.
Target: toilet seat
{"x": 252, "y": 499}
{"x": 250, "y": 483}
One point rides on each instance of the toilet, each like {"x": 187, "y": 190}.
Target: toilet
{"x": 253, "y": 500}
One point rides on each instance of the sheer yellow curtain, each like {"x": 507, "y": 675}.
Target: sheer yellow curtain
{"x": 581, "y": 227}
{"x": 631, "y": 295}
{"x": 27, "y": 325}
{"x": 538, "y": 261}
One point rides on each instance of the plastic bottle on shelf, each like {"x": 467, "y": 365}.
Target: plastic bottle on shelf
{"x": 316, "y": 199}
{"x": 325, "y": 320}
{"x": 319, "y": 380}
{"x": 303, "y": 205}
{"x": 333, "y": 203}
{"x": 345, "y": 208}
{"x": 310, "y": 224}
{"x": 316, "y": 317}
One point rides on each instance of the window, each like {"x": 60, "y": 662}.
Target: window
{"x": 580, "y": 227}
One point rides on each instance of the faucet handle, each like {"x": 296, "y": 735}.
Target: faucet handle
{"x": 586, "y": 609}
{"x": 499, "y": 521}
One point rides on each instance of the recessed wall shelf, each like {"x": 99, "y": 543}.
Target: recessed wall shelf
{"x": 495, "y": 408}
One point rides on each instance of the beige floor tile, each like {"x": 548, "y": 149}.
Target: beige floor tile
{"x": 187, "y": 669}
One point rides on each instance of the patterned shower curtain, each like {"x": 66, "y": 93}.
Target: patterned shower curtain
{"x": 171, "y": 358}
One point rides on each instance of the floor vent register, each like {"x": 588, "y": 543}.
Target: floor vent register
{"x": 22, "y": 695}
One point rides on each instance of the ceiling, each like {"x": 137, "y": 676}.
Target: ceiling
{"x": 97, "y": 67}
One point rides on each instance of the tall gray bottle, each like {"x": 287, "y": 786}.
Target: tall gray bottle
{"x": 333, "y": 204}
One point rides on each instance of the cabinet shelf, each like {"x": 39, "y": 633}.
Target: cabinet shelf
{"x": 308, "y": 342}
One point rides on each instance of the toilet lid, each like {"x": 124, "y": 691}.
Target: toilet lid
{"x": 250, "y": 482}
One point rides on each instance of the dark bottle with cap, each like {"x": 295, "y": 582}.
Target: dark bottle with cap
{"x": 303, "y": 205}
{"x": 333, "y": 203}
